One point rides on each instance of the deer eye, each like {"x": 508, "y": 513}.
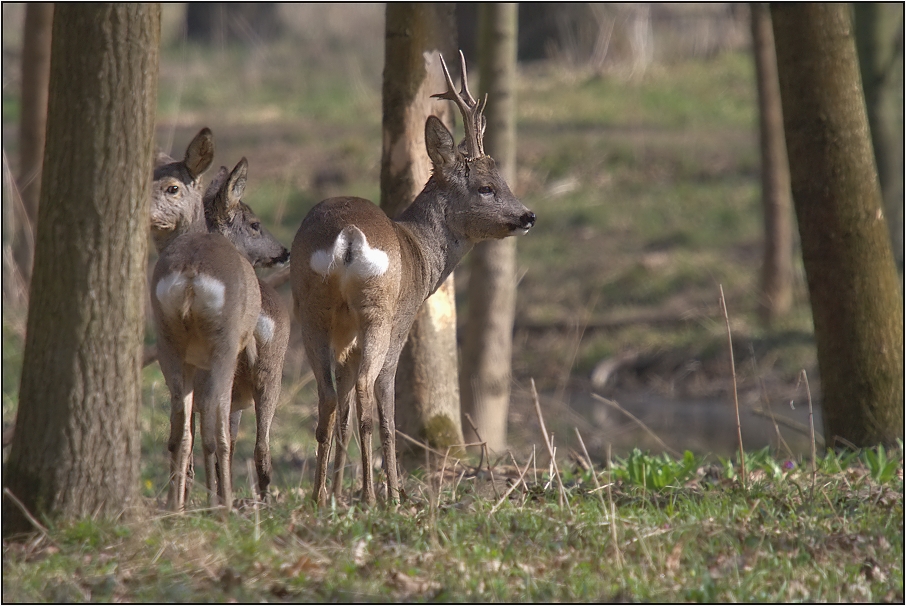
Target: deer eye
{"x": 256, "y": 226}
{"x": 485, "y": 190}
{"x": 172, "y": 189}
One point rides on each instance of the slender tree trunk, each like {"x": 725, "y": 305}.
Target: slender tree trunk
{"x": 488, "y": 339}
{"x": 76, "y": 448}
{"x": 32, "y": 124}
{"x": 427, "y": 389}
{"x": 879, "y": 39}
{"x": 855, "y": 295}
{"x": 777, "y": 262}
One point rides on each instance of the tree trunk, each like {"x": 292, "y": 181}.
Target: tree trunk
{"x": 32, "y": 124}
{"x": 852, "y": 280}
{"x": 777, "y": 263}
{"x": 488, "y": 340}
{"x": 427, "y": 389}
{"x": 879, "y": 39}
{"x": 76, "y": 448}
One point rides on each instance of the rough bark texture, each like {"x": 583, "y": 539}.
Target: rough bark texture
{"x": 777, "y": 264}
{"x": 427, "y": 388}
{"x": 76, "y": 448}
{"x": 852, "y": 280}
{"x": 32, "y": 125}
{"x": 488, "y": 339}
{"x": 879, "y": 39}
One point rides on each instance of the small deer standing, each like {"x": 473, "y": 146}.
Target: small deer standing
{"x": 211, "y": 323}
{"x": 359, "y": 278}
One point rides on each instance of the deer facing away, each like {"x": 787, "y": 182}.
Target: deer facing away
{"x": 358, "y": 279}
{"x": 207, "y": 305}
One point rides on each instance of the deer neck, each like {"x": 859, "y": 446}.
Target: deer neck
{"x": 432, "y": 249}
{"x": 192, "y": 222}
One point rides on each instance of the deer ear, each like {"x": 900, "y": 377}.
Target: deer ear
{"x": 210, "y": 194}
{"x": 200, "y": 153}
{"x": 235, "y": 186}
{"x": 439, "y": 141}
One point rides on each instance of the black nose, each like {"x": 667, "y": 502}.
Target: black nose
{"x": 282, "y": 258}
{"x": 528, "y": 220}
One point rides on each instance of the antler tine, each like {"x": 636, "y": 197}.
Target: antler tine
{"x": 464, "y": 91}
{"x": 473, "y": 120}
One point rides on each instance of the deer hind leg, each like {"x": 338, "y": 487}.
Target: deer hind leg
{"x": 179, "y": 379}
{"x": 374, "y": 350}
{"x": 346, "y": 379}
{"x": 386, "y": 405}
{"x": 321, "y": 362}
{"x": 265, "y": 406}
{"x": 214, "y": 392}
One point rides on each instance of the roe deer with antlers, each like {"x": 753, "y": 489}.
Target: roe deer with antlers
{"x": 211, "y": 319}
{"x": 358, "y": 279}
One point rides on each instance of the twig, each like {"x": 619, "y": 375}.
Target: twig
{"x": 516, "y": 465}
{"x": 594, "y": 475}
{"x": 28, "y": 515}
{"x": 512, "y": 487}
{"x": 613, "y": 513}
{"x": 742, "y": 453}
{"x": 639, "y": 422}
{"x": 811, "y": 423}
{"x": 484, "y": 449}
{"x": 550, "y": 448}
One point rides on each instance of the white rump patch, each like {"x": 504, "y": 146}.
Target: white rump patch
{"x": 352, "y": 252}
{"x": 264, "y": 330}
{"x": 209, "y": 295}
{"x": 322, "y": 262}
{"x": 171, "y": 293}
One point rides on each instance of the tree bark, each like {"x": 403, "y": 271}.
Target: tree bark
{"x": 777, "y": 262}
{"x": 488, "y": 340}
{"x": 879, "y": 40}
{"x": 76, "y": 447}
{"x": 855, "y": 296}
{"x": 32, "y": 125}
{"x": 427, "y": 388}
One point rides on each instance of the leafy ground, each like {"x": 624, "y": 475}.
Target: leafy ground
{"x": 681, "y": 532}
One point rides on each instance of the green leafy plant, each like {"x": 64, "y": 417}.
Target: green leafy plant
{"x": 655, "y": 472}
{"x": 882, "y": 468}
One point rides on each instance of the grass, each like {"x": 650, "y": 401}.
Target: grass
{"x": 699, "y": 538}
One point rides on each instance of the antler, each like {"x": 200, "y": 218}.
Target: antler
{"x": 471, "y": 110}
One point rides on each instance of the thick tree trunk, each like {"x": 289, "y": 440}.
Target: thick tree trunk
{"x": 777, "y": 263}
{"x": 427, "y": 389}
{"x": 76, "y": 448}
{"x": 488, "y": 339}
{"x": 855, "y": 295}
{"x": 879, "y": 39}
{"x": 32, "y": 125}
